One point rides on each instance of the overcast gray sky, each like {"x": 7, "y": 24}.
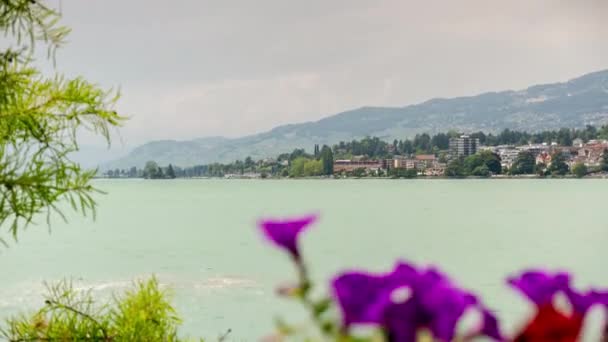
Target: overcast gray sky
{"x": 194, "y": 68}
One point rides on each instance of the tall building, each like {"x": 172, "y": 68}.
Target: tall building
{"x": 463, "y": 146}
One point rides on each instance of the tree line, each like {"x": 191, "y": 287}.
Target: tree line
{"x": 300, "y": 163}
{"x": 151, "y": 171}
{"x": 487, "y": 163}
{"x": 425, "y": 143}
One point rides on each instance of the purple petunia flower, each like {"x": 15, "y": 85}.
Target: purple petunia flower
{"x": 581, "y": 302}
{"x": 549, "y": 323}
{"x": 406, "y": 300}
{"x": 490, "y": 326}
{"x": 601, "y": 297}
{"x": 284, "y": 233}
{"x": 363, "y": 296}
{"x": 540, "y": 287}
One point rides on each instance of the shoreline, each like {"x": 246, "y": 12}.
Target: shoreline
{"x": 499, "y": 177}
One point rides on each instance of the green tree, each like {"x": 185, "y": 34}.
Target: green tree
{"x": 564, "y": 137}
{"x": 492, "y": 161}
{"x": 404, "y": 173}
{"x": 441, "y": 141}
{"x": 604, "y": 162}
{"x": 313, "y": 167}
{"x": 455, "y": 168}
{"x": 327, "y": 159}
{"x": 39, "y": 120}
{"x": 408, "y": 147}
{"x": 482, "y": 164}
{"x": 524, "y": 164}
{"x": 579, "y": 170}
{"x": 472, "y": 162}
{"x": 603, "y": 133}
{"x": 422, "y": 143}
{"x": 360, "y": 172}
{"x": 170, "y": 172}
{"x": 297, "y": 153}
{"x": 558, "y": 164}
{"x": 296, "y": 169}
{"x": 249, "y": 163}
{"x": 151, "y": 170}
{"x": 481, "y": 171}
{"x": 133, "y": 172}
{"x": 481, "y": 136}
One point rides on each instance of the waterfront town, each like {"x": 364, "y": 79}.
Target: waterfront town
{"x": 563, "y": 153}
{"x": 588, "y": 153}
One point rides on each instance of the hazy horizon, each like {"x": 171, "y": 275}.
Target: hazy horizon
{"x": 191, "y": 69}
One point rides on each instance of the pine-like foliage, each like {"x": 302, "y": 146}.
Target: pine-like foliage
{"x": 40, "y": 117}
{"x": 141, "y": 314}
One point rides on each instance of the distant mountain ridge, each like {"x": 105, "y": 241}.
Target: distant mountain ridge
{"x": 575, "y": 103}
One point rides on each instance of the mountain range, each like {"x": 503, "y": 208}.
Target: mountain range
{"x": 575, "y": 103}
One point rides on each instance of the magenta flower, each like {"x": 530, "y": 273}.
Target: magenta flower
{"x": 284, "y": 233}
{"x": 601, "y": 297}
{"x": 549, "y": 323}
{"x": 363, "y": 296}
{"x": 541, "y": 287}
{"x": 582, "y": 302}
{"x": 406, "y": 300}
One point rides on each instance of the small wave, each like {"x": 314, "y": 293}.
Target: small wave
{"x": 30, "y": 294}
{"x": 22, "y": 295}
{"x": 226, "y": 282}
{"x": 110, "y": 285}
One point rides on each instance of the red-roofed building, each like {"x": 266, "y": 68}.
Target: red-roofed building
{"x": 592, "y": 152}
{"x": 425, "y": 161}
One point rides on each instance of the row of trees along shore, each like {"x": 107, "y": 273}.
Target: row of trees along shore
{"x": 299, "y": 163}
{"x": 486, "y": 163}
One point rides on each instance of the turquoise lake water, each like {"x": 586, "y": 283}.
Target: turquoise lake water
{"x": 199, "y": 238}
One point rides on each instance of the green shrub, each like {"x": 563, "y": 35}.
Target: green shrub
{"x": 143, "y": 313}
{"x": 580, "y": 170}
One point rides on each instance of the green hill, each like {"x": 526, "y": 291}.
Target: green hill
{"x": 574, "y": 103}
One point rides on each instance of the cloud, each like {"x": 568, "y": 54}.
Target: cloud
{"x": 238, "y": 107}
{"x": 193, "y": 68}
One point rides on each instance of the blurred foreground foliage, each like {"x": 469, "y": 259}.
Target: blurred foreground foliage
{"x": 40, "y": 118}
{"x": 143, "y": 313}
